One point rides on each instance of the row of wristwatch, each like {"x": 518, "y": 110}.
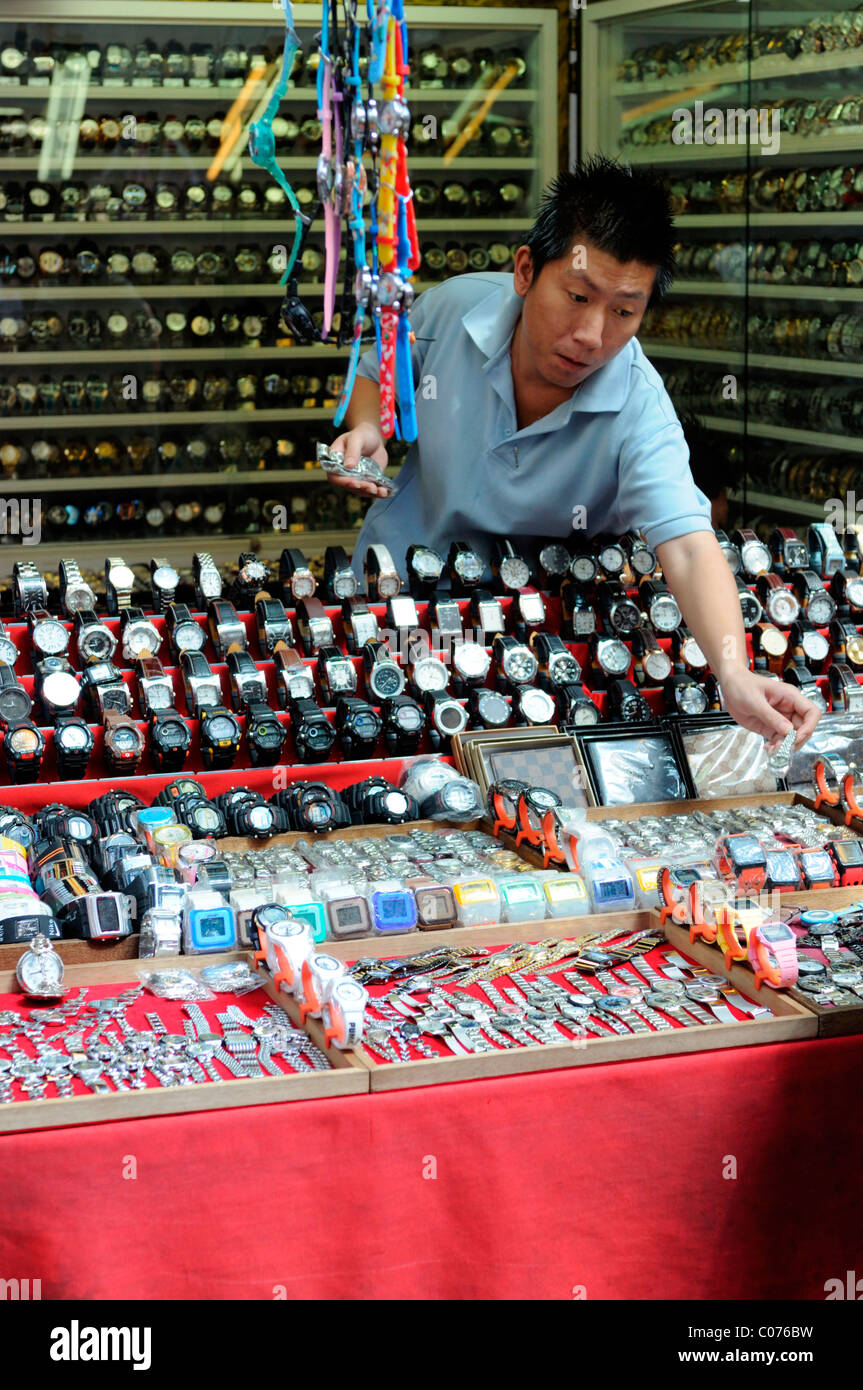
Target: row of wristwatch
{"x": 172, "y": 65}
{"x": 197, "y": 325}
{"x": 799, "y": 116}
{"x": 802, "y": 262}
{"x": 829, "y": 32}
{"x": 118, "y": 135}
{"x": 837, "y": 188}
{"x": 141, "y": 453}
{"x": 837, "y": 336}
{"x": 33, "y": 201}
{"x": 181, "y": 391}
{"x": 821, "y": 408}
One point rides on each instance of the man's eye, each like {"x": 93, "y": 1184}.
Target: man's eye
{"x": 624, "y": 313}
{"x": 577, "y": 298}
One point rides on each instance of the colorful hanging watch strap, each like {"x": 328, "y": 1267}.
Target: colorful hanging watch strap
{"x": 262, "y": 144}
{"x": 362, "y": 272}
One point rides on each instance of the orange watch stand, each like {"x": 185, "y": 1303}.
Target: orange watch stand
{"x": 824, "y": 795}
{"x": 699, "y": 925}
{"x": 852, "y": 807}
{"x": 500, "y": 797}
{"x": 310, "y": 1003}
{"x": 285, "y": 972}
{"x": 727, "y": 939}
{"x": 260, "y": 956}
{"x": 526, "y": 831}
{"x": 553, "y": 852}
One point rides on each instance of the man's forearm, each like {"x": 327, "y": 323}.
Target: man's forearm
{"x": 699, "y": 576}
{"x": 364, "y": 407}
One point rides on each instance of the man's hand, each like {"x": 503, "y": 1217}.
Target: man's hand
{"x": 365, "y": 439}
{"x": 769, "y": 707}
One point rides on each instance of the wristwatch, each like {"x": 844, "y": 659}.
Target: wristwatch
{"x": 530, "y": 606}
{"x": 652, "y": 662}
{"x": 808, "y": 642}
{"x": 817, "y": 603}
{"x": 208, "y": 580}
{"x": 486, "y": 615}
{"x": 741, "y": 856}
{"x": 554, "y": 561}
{"x": 184, "y": 634}
{"x": 15, "y": 701}
{"x": 123, "y": 743}
{"x": 57, "y": 686}
{"x": 294, "y": 679}
{"x": 444, "y": 619}
{"x": 225, "y": 626}
{"x": 336, "y": 674}
{"x": 48, "y": 636}
{"x": 770, "y": 643}
{"x": 626, "y": 704}
{"x": 424, "y": 567}
{"x": 75, "y": 594}
{"x": 138, "y": 634}
{"x": 381, "y": 576}
{"x": 554, "y": 659}
{"x": 265, "y": 734}
{"x": 247, "y": 683}
{"x": 445, "y": 717}
{"x": 201, "y": 685}
{"x": 660, "y": 605}
{"x": 252, "y": 578}
{"x": 846, "y": 642}
{"x": 788, "y": 550}
{"x": 846, "y": 587}
{"x": 780, "y": 604}
{"x": 687, "y": 652}
{"x": 583, "y": 567}
{"x": 754, "y": 554}
{"x": 9, "y": 653}
{"x": 845, "y": 693}
{"x": 487, "y": 709}
{"x": 817, "y": 869}
{"x": 465, "y": 567}
{"x": 516, "y": 663}
{"x": 314, "y": 625}
{"x": 847, "y": 856}
{"x": 772, "y": 950}
{"x": 105, "y": 688}
{"x": 610, "y": 657}
{"x": 622, "y": 615}
{"x": 826, "y": 555}
{"x": 220, "y": 735}
{"x": 531, "y": 705}
{"x": 340, "y": 582}
{"x": 510, "y": 569}
{"x": 642, "y": 560}
{"x": 73, "y": 744}
{"x": 313, "y": 733}
{"x": 403, "y": 722}
{"x": 296, "y": 578}
{"x": 683, "y": 695}
{"x": 119, "y": 583}
{"x": 579, "y": 617}
{"x": 29, "y": 589}
{"x": 383, "y": 676}
{"x": 798, "y": 674}
{"x": 24, "y": 745}
{"x": 358, "y": 727}
{"x": 359, "y": 622}
{"x": 750, "y": 605}
{"x": 163, "y": 582}
{"x": 273, "y": 625}
{"x": 470, "y": 663}
{"x": 427, "y": 673}
{"x": 170, "y": 740}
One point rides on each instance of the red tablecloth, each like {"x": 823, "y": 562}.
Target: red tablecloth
{"x": 614, "y": 1180}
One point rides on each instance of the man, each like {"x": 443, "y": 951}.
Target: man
{"x": 538, "y": 411}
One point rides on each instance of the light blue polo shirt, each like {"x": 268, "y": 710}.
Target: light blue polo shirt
{"x": 615, "y": 448}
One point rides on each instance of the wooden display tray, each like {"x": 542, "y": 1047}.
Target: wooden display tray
{"x": 349, "y": 1075}
{"x": 834, "y": 1021}
{"x": 790, "y": 1021}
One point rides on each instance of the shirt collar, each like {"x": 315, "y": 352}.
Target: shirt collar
{"x": 491, "y": 324}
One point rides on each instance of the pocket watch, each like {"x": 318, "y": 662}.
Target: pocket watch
{"x": 40, "y": 970}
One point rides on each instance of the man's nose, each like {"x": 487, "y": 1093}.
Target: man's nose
{"x": 588, "y": 330}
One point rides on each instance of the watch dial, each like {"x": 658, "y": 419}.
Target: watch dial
{"x": 746, "y": 852}
{"x": 221, "y": 727}
{"x": 189, "y": 637}
{"x": 427, "y": 565}
{"x": 565, "y": 670}
{"x": 126, "y": 740}
{"x": 782, "y": 607}
{"x": 450, "y": 718}
{"x": 815, "y": 646}
{"x": 469, "y": 567}
{"x": 72, "y": 738}
{"x": 345, "y": 584}
{"x": 583, "y": 568}
{"x": 820, "y": 609}
{"x": 409, "y": 719}
{"x": 520, "y": 665}
{"x": 430, "y": 674}
{"x": 261, "y": 817}
{"x": 611, "y": 558}
{"x": 23, "y": 741}
{"x": 386, "y": 681}
{"x": 50, "y": 638}
{"x": 471, "y": 661}
{"x": 692, "y": 699}
{"x": 657, "y": 665}
{"x": 614, "y": 657}
{"x": 777, "y": 932}
{"x": 854, "y": 592}
{"x": 665, "y": 614}
{"x": 537, "y": 706}
{"x": 514, "y": 573}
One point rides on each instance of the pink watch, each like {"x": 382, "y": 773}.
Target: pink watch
{"x": 773, "y": 955}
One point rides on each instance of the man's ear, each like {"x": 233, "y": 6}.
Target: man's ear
{"x": 523, "y": 276}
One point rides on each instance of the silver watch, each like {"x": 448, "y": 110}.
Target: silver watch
{"x": 119, "y": 583}
{"x": 164, "y": 580}
{"x": 208, "y": 580}
{"x": 75, "y": 594}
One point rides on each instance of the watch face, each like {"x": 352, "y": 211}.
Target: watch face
{"x": 583, "y": 568}
{"x": 221, "y": 728}
{"x": 140, "y": 637}
{"x": 261, "y": 817}
{"x": 514, "y": 573}
{"x": 386, "y": 680}
{"x": 854, "y": 592}
{"x": 554, "y": 559}
{"x": 165, "y": 577}
{"x": 189, "y": 637}
{"x": 96, "y": 643}
{"x": 50, "y": 637}
{"x": 388, "y": 585}
{"x": 750, "y": 608}
{"x": 821, "y": 609}
{"x": 205, "y": 817}
{"x": 23, "y": 742}
{"x": 537, "y": 706}
{"x": 781, "y": 867}
{"x": 746, "y": 852}
{"x": 613, "y": 657}
{"x": 302, "y": 584}
{"x": 15, "y": 704}
{"x": 345, "y": 584}
{"x": 815, "y": 646}
{"x": 692, "y": 699}
{"x": 450, "y": 718}
{"x": 430, "y": 674}
{"x": 126, "y": 740}
{"x": 564, "y": 670}
{"x": 72, "y": 738}
{"x": 426, "y": 565}
{"x": 121, "y": 577}
{"x": 642, "y": 561}
{"x": 408, "y": 718}
{"x": 468, "y": 566}
{"x": 365, "y": 725}
{"x": 493, "y": 709}
{"x": 773, "y": 642}
{"x": 159, "y": 697}
{"x": 520, "y": 665}
{"x": 657, "y": 665}
{"x": 848, "y": 853}
{"x": 435, "y": 904}
{"x": 532, "y": 609}
{"x": 612, "y": 558}
{"x": 776, "y": 931}
{"x": 341, "y": 676}
{"x": 665, "y": 614}
{"x": 755, "y": 557}
{"x": 8, "y": 651}
{"x": 172, "y": 733}
{"x": 471, "y": 661}
{"x": 60, "y": 689}
{"x": 457, "y": 797}
{"x": 782, "y": 607}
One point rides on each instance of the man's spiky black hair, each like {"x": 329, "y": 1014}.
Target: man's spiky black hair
{"x": 623, "y": 211}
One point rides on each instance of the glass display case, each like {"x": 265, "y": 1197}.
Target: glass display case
{"x": 754, "y": 114}
{"x": 148, "y": 393}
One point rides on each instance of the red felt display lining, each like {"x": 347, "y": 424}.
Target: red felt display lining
{"x": 169, "y": 1010}
{"x": 655, "y": 957}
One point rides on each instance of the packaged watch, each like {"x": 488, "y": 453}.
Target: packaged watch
{"x": 725, "y": 759}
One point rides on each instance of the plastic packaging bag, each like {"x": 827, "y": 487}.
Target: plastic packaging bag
{"x": 174, "y": 984}
{"x": 234, "y": 977}
{"x": 728, "y": 761}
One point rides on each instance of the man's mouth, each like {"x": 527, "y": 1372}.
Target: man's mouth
{"x": 570, "y": 361}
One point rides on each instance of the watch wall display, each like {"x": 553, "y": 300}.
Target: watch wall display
{"x": 138, "y": 252}
{"x": 768, "y": 263}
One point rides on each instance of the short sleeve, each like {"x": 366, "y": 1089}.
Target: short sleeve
{"x": 657, "y": 494}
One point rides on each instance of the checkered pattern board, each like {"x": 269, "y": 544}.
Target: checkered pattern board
{"x": 558, "y": 769}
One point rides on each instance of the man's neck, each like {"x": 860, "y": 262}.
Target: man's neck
{"x": 533, "y": 396}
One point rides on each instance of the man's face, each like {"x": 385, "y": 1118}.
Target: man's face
{"x": 579, "y": 312}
